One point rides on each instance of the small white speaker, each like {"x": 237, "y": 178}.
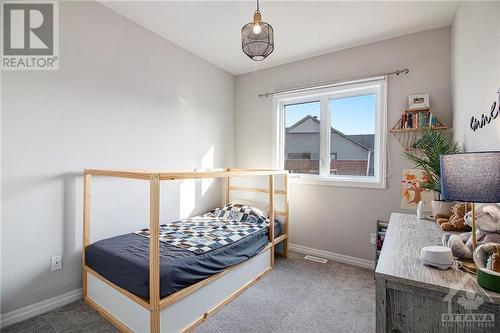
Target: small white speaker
{"x": 437, "y": 256}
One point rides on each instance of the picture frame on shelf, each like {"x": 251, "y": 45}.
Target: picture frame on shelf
{"x": 419, "y": 102}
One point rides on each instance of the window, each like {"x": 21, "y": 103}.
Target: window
{"x": 299, "y": 156}
{"x": 302, "y": 130}
{"x": 334, "y": 136}
{"x": 352, "y": 135}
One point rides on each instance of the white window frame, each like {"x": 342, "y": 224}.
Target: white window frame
{"x": 377, "y": 86}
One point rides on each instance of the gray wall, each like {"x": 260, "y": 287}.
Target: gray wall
{"x": 340, "y": 219}
{"x": 302, "y": 143}
{"x": 123, "y": 98}
{"x": 346, "y": 149}
{"x": 476, "y": 72}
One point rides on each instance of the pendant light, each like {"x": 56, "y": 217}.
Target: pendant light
{"x": 257, "y": 38}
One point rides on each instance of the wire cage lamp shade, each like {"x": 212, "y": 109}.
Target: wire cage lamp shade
{"x": 257, "y": 38}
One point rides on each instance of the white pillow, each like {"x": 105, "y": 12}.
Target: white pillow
{"x": 262, "y": 207}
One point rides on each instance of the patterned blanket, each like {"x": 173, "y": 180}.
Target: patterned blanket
{"x": 208, "y": 232}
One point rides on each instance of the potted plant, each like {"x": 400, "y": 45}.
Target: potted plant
{"x": 429, "y": 147}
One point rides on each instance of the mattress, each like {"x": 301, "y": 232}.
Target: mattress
{"x": 124, "y": 260}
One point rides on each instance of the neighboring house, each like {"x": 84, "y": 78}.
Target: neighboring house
{"x": 350, "y": 155}
{"x": 367, "y": 140}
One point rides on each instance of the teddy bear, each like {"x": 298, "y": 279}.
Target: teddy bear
{"x": 456, "y": 221}
{"x": 487, "y": 231}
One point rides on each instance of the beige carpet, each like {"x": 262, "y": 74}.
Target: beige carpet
{"x": 297, "y": 296}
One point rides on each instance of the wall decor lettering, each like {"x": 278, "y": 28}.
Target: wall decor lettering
{"x": 476, "y": 123}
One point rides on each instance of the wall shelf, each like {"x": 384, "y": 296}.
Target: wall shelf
{"x": 418, "y": 129}
{"x": 412, "y": 124}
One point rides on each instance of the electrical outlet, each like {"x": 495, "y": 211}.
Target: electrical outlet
{"x": 56, "y": 263}
{"x": 373, "y": 238}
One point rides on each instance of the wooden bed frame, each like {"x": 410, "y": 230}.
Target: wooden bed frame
{"x": 188, "y": 307}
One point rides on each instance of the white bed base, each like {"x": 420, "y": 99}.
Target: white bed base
{"x": 184, "y": 314}
{"x": 188, "y": 307}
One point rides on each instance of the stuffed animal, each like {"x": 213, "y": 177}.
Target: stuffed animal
{"x": 487, "y": 231}
{"x": 456, "y": 221}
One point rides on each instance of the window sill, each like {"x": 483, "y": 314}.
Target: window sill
{"x": 371, "y": 183}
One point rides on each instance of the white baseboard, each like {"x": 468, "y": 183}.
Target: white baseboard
{"x": 370, "y": 264}
{"x": 39, "y": 308}
{"x": 55, "y": 302}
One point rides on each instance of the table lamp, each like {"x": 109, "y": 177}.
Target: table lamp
{"x": 471, "y": 177}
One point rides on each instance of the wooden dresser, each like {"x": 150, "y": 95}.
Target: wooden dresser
{"x": 412, "y": 297}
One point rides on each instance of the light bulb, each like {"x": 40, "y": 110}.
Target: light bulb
{"x": 256, "y": 28}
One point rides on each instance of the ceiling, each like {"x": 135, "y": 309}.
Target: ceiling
{"x": 211, "y": 29}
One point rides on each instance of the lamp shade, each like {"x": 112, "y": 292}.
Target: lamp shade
{"x": 257, "y": 45}
{"x": 257, "y": 37}
{"x": 471, "y": 177}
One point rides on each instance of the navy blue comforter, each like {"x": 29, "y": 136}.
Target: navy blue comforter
{"x": 124, "y": 260}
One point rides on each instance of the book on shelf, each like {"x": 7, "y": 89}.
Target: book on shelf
{"x": 383, "y": 224}
{"x": 381, "y": 231}
{"x": 418, "y": 120}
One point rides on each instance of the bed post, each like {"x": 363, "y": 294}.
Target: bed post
{"x": 227, "y": 182}
{"x": 86, "y": 228}
{"x": 271, "y": 216}
{"x": 154, "y": 253}
{"x": 287, "y": 218}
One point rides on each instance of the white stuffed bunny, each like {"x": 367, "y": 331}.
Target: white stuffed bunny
{"x": 487, "y": 231}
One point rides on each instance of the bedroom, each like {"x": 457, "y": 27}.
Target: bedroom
{"x": 166, "y": 86}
